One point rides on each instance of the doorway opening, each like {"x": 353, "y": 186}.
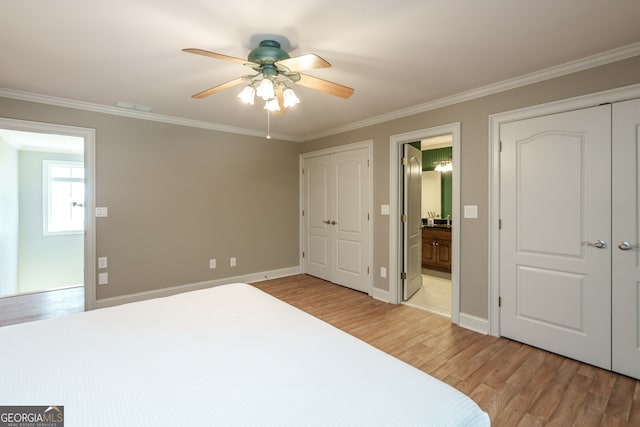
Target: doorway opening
{"x": 396, "y": 241}
{"x": 434, "y": 294}
{"x": 47, "y": 239}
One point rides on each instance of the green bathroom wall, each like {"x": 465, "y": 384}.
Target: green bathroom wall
{"x": 429, "y": 160}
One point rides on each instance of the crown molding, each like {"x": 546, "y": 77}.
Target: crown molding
{"x": 592, "y": 61}
{"x": 142, "y": 115}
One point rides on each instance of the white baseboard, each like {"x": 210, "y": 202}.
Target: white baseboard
{"x": 477, "y": 324}
{"x": 380, "y": 294}
{"x": 165, "y": 292}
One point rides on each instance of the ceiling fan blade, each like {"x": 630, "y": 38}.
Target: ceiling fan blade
{"x": 325, "y": 86}
{"x": 218, "y": 88}
{"x": 304, "y": 62}
{"x": 217, "y": 56}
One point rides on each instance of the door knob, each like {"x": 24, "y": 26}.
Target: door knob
{"x": 600, "y": 244}
{"x": 333, "y": 223}
{"x": 625, "y": 246}
{"x": 326, "y": 221}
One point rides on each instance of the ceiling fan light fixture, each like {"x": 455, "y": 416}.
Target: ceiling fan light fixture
{"x": 272, "y": 105}
{"x": 247, "y": 95}
{"x": 290, "y": 98}
{"x": 266, "y": 90}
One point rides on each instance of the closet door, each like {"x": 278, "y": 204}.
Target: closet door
{"x": 555, "y": 254}
{"x": 626, "y": 238}
{"x": 336, "y": 218}
{"x": 318, "y": 232}
{"x": 350, "y": 219}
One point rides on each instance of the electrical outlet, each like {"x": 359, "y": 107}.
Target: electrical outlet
{"x": 232, "y": 262}
{"x": 212, "y": 264}
{"x": 103, "y": 278}
{"x": 383, "y": 272}
{"x": 102, "y": 262}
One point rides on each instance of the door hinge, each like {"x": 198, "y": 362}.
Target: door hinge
{"x": 500, "y": 146}
{"x": 367, "y": 270}
{"x": 368, "y": 217}
{"x": 499, "y": 224}
{"x": 499, "y": 301}
{"x": 302, "y": 171}
{"x": 403, "y": 276}
{"x": 368, "y": 163}
{"x": 403, "y": 218}
{"x": 303, "y": 212}
{"x": 405, "y": 161}
{"x": 302, "y": 254}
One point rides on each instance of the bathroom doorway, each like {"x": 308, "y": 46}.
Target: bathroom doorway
{"x": 435, "y": 293}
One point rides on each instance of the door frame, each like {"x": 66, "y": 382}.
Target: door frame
{"x": 495, "y": 120}
{"x": 395, "y": 204}
{"x": 368, "y": 144}
{"x": 89, "y": 136}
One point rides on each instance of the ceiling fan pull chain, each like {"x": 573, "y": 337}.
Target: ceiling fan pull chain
{"x": 268, "y": 125}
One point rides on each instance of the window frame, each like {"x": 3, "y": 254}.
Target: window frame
{"x": 47, "y": 165}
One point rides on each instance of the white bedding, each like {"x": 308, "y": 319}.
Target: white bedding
{"x": 225, "y": 356}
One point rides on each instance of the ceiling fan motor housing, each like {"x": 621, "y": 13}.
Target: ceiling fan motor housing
{"x": 267, "y": 53}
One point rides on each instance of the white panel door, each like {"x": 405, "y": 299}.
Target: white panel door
{"x": 412, "y": 227}
{"x": 336, "y": 218}
{"x": 349, "y": 220}
{"x": 555, "y": 208}
{"x": 318, "y": 182}
{"x": 626, "y": 238}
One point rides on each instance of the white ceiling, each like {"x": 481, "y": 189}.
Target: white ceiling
{"x": 38, "y": 141}
{"x": 396, "y": 55}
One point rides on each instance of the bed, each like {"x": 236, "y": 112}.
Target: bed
{"x": 231, "y": 355}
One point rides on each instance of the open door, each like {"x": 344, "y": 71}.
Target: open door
{"x": 412, "y": 221}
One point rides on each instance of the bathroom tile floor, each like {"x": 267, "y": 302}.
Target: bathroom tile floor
{"x": 434, "y": 295}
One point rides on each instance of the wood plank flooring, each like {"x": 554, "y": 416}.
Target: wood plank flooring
{"x": 516, "y": 384}
{"x": 41, "y": 305}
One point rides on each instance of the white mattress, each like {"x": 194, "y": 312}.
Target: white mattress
{"x": 225, "y": 356}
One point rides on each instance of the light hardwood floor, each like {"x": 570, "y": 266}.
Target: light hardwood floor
{"x": 516, "y": 384}
{"x": 41, "y": 305}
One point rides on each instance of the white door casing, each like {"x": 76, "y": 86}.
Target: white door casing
{"x": 395, "y": 292}
{"x": 625, "y": 238}
{"x": 555, "y": 203}
{"x": 89, "y": 136}
{"x": 412, "y": 226}
{"x": 336, "y": 217}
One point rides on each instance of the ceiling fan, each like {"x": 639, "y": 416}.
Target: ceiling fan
{"x": 276, "y": 72}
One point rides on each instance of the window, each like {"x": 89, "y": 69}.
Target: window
{"x": 63, "y": 197}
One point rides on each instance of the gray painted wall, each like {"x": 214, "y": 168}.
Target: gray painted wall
{"x": 474, "y": 163}
{"x": 178, "y": 196}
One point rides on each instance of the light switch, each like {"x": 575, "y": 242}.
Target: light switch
{"x": 384, "y": 209}
{"x": 102, "y": 212}
{"x": 470, "y": 211}
{"x": 102, "y": 262}
{"x": 383, "y": 272}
